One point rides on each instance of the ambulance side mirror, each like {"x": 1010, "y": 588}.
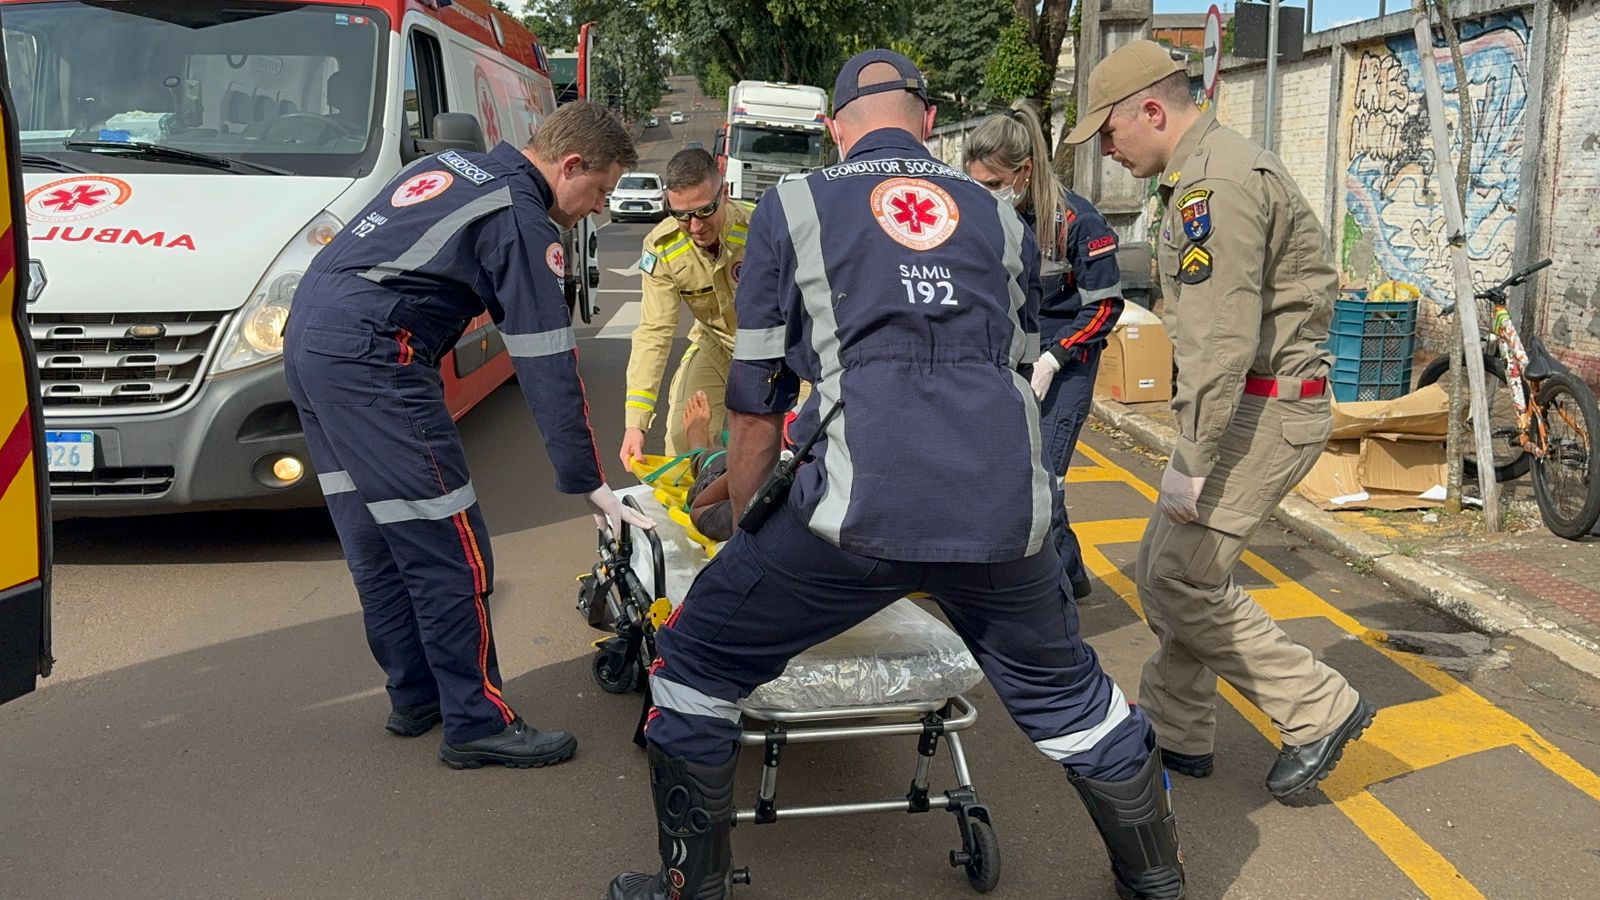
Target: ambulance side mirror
{"x": 452, "y": 131}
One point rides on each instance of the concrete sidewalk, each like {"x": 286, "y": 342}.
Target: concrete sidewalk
{"x": 1523, "y": 581}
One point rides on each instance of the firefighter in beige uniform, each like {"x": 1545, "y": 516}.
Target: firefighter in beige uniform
{"x": 1249, "y": 291}
{"x": 691, "y": 259}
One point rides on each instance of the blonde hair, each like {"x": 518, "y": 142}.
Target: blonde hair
{"x": 1006, "y": 141}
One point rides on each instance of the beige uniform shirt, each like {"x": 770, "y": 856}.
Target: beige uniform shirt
{"x": 1248, "y": 282}
{"x": 677, "y": 273}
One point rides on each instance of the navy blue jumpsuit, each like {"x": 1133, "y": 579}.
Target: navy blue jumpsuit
{"x": 897, "y": 284}
{"x": 1082, "y": 298}
{"x": 450, "y": 237}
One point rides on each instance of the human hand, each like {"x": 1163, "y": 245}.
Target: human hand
{"x": 632, "y": 446}
{"x": 1180, "y": 495}
{"x": 1044, "y": 372}
{"x": 609, "y": 511}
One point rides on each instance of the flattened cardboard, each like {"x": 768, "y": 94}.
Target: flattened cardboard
{"x": 1422, "y": 413}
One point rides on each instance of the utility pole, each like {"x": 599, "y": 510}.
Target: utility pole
{"x": 1466, "y": 304}
{"x": 1272, "y": 76}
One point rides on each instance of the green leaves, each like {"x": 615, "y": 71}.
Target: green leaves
{"x": 1015, "y": 70}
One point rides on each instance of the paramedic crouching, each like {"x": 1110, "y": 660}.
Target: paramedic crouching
{"x": 908, "y": 296}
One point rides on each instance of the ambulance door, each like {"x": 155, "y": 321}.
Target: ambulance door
{"x": 24, "y": 490}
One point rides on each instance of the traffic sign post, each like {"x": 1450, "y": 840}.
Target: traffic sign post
{"x": 1211, "y": 52}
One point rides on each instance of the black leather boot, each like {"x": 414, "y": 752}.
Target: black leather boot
{"x": 1298, "y": 769}
{"x": 1141, "y": 833}
{"x": 413, "y": 721}
{"x": 694, "y": 812}
{"x": 519, "y": 746}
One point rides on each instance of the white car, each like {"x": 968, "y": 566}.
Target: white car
{"x": 652, "y": 122}
{"x": 677, "y": 117}
{"x": 639, "y": 195}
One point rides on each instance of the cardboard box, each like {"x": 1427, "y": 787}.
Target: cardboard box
{"x": 1387, "y": 454}
{"x": 1136, "y": 366}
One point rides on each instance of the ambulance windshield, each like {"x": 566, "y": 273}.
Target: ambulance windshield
{"x": 285, "y": 85}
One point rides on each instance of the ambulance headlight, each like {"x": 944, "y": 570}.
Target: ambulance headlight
{"x": 255, "y": 334}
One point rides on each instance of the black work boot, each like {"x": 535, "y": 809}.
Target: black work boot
{"x": 1298, "y": 769}
{"x": 413, "y": 721}
{"x": 519, "y": 746}
{"x": 1194, "y": 765}
{"x": 1141, "y": 833}
{"x": 694, "y": 812}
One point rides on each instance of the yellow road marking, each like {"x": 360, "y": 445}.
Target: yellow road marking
{"x": 1405, "y": 738}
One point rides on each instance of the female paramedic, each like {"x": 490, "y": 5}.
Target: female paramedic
{"x": 1081, "y": 281}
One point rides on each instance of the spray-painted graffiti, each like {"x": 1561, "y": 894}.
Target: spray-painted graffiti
{"x": 1395, "y": 224}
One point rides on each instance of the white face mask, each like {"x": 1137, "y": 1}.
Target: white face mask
{"x": 1007, "y": 194}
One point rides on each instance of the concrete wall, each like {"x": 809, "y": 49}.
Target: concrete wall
{"x": 1352, "y": 129}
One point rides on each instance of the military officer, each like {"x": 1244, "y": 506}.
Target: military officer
{"x": 1249, "y": 292}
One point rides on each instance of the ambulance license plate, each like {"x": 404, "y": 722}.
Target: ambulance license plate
{"x": 70, "y": 451}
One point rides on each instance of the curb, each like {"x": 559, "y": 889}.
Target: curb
{"x": 1448, "y": 590}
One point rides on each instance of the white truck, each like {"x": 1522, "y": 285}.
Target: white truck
{"x": 773, "y": 129}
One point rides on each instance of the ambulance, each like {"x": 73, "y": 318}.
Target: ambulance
{"x": 24, "y": 517}
{"x": 183, "y": 161}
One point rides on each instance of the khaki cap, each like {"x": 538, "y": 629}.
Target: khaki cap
{"x": 1127, "y": 71}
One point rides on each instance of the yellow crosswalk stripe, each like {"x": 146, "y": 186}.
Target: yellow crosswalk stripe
{"x": 1404, "y": 738}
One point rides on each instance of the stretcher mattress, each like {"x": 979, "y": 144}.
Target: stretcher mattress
{"x": 901, "y": 655}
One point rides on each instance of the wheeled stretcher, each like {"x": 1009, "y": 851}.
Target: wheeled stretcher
{"x": 902, "y": 672}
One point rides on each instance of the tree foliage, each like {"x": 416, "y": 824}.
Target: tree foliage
{"x": 1015, "y": 70}
{"x": 630, "y": 65}
{"x": 952, "y": 42}
{"x": 1048, "y": 24}
{"x": 799, "y": 41}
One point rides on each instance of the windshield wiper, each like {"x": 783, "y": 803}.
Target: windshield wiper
{"x": 45, "y": 162}
{"x": 162, "y": 151}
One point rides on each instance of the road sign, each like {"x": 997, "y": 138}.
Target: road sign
{"x": 1211, "y": 52}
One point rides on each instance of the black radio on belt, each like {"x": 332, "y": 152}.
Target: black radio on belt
{"x": 778, "y": 483}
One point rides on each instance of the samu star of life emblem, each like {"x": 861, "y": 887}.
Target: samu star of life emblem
{"x": 70, "y": 199}
{"x": 916, "y": 213}
{"x": 421, "y": 187}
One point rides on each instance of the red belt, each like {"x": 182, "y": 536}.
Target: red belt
{"x": 1268, "y": 387}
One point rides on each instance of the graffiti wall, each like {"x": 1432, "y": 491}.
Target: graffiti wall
{"x": 1394, "y": 223}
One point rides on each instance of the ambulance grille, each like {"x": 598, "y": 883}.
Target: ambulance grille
{"x": 94, "y": 364}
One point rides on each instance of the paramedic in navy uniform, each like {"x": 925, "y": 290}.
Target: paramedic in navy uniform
{"x": 452, "y": 236}
{"x": 903, "y": 289}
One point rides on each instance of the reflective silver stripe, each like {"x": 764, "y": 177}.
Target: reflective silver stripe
{"x": 1030, "y": 349}
{"x": 684, "y": 699}
{"x": 544, "y": 343}
{"x": 805, "y": 231}
{"x": 1022, "y": 343}
{"x": 335, "y": 482}
{"x": 1059, "y": 748}
{"x": 432, "y": 240}
{"x": 1098, "y": 294}
{"x": 387, "y": 512}
{"x": 759, "y": 343}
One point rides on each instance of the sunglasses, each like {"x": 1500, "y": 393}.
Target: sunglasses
{"x": 704, "y": 212}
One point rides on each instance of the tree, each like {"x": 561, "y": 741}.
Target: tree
{"x": 629, "y": 67}
{"x": 1048, "y": 22}
{"x": 799, "y": 41}
{"x": 955, "y": 39}
{"x": 1015, "y": 70}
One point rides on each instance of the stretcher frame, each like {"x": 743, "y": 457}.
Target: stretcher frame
{"x": 614, "y": 598}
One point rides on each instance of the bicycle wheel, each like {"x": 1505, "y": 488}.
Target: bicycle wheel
{"x": 1510, "y": 460}
{"x": 1566, "y": 480}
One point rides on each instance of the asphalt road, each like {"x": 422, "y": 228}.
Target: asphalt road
{"x": 214, "y": 728}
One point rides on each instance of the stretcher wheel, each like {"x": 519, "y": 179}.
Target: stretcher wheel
{"x": 615, "y": 673}
{"x": 982, "y": 857}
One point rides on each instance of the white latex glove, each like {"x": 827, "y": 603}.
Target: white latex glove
{"x": 609, "y": 511}
{"x": 1180, "y": 495}
{"x": 1044, "y": 371}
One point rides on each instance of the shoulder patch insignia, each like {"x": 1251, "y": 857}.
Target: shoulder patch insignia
{"x": 1195, "y": 208}
{"x": 1100, "y": 246}
{"x": 556, "y": 259}
{"x": 1195, "y": 266}
{"x": 647, "y": 263}
{"x": 418, "y": 188}
{"x": 466, "y": 168}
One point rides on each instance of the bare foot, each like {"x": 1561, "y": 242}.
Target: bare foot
{"x": 697, "y": 420}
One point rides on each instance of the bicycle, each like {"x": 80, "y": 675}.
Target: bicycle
{"x": 1543, "y": 418}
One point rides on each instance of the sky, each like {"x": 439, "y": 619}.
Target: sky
{"x": 1326, "y": 13}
